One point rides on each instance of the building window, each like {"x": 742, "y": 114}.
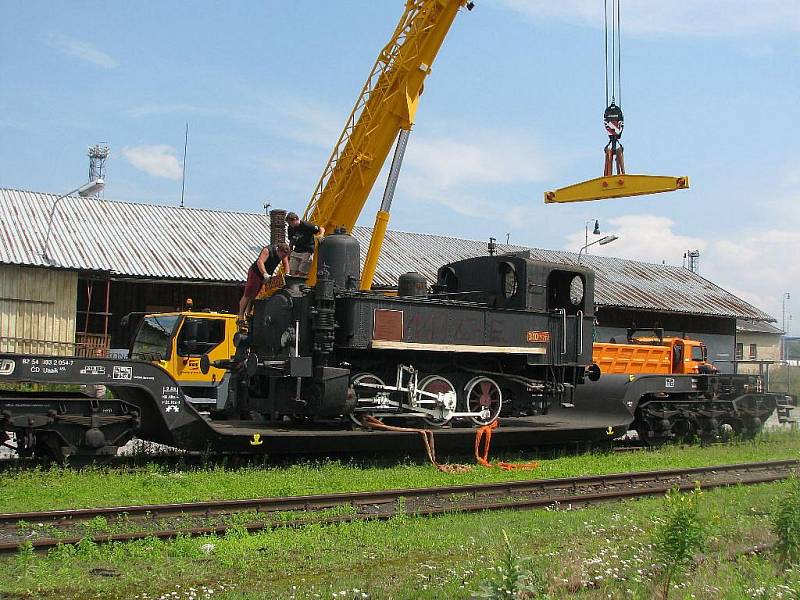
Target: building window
{"x": 753, "y": 351}
{"x": 739, "y": 351}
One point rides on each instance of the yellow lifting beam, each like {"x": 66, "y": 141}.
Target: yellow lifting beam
{"x": 616, "y": 186}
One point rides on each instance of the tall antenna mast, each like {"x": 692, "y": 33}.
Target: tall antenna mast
{"x": 97, "y": 163}
{"x": 183, "y": 172}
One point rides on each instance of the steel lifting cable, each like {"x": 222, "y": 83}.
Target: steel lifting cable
{"x": 619, "y": 56}
{"x": 614, "y": 62}
{"x": 605, "y": 40}
{"x": 613, "y": 119}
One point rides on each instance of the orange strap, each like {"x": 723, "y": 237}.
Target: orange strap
{"x": 484, "y": 435}
{"x": 611, "y": 157}
{"x": 427, "y": 440}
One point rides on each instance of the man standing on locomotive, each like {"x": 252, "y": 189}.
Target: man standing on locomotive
{"x": 268, "y": 259}
{"x": 301, "y": 239}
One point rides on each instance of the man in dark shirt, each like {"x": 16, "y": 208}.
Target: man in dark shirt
{"x": 269, "y": 258}
{"x": 301, "y": 239}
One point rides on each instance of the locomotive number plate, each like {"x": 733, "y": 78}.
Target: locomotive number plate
{"x": 538, "y": 336}
{"x": 388, "y": 325}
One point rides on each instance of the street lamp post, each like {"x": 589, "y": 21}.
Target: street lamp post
{"x": 602, "y": 241}
{"x": 786, "y": 296}
{"x": 87, "y": 189}
{"x": 596, "y": 231}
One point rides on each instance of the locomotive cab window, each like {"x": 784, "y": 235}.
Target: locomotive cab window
{"x": 508, "y": 279}
{"x": 450, "y": 280}
{"x": 566, "y": 290}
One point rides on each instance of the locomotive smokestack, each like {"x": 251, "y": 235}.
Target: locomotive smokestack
{"x": 277, "y": 226}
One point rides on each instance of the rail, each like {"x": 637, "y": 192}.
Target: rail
{"x": 385, "y": 504}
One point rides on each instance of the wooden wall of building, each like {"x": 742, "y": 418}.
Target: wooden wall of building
{"x": 37, "y": 310}
{"x": 129, "y": 296}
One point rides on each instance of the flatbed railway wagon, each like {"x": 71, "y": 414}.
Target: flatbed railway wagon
{"x": 500, "y": 337}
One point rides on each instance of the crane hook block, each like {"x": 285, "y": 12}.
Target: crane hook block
{"x": 617, "y": 186}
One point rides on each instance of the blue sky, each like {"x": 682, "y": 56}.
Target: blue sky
{"x": 512, "y": 108}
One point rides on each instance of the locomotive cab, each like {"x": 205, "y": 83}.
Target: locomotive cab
{"x": 519, "y": 282}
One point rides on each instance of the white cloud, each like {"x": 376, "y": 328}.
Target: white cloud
{"x": 648, "y": 238}
{"x": 757, "y": 266}
{"x": 489, "y": 158}
{"x": 286, "y": 115}
{"x": 157, "y": 160}
{"x": 681, "y": 17}
{"x": 467, "y": 176}
{"x": 305, "y": 121}
{"x": 82, "y": 50}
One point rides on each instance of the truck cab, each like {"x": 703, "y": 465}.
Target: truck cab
{"x": 686, "y": 355}
{"x": 177, "y": 341}
{"x": 653, "y": 355}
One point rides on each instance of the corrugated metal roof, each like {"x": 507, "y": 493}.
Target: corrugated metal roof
{"x": 146, "y": 240}
{"x": 140, "y": 240}
{"x": 757, "y": 327}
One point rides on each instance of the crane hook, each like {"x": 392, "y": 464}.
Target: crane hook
{"x": 614, "y": 122}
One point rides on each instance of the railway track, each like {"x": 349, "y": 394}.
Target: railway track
{"x": 47, "y": 529}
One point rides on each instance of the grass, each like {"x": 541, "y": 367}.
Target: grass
{"x": 599, "y": 552}
{"x": 67, "y": 488}
{"x": 40, "y": 387}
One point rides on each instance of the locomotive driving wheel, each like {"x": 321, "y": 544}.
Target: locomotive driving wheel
{"x": 483, "y": 393}
{"x": 362, "y": 385}
{"x": 436, "y": 384}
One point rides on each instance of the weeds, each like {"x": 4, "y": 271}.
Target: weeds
{"x": 678, "y": 536}
{"x": 786, "y": 524}
{"x": 512, "y": 579}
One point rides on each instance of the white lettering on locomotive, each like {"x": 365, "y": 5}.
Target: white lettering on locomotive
{"x": 7, "y": 366}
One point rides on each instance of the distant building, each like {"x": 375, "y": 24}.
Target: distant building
{"x": 107, "y": 259}
{"x": 758, "y": 346}
{"x": 758, "y": 341}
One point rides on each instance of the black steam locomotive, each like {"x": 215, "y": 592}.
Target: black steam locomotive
{"x": 497, "y": 336}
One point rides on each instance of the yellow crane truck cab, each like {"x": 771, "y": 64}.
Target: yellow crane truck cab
{"x": 176, "y": 341}
{"x": 652, "y": 355}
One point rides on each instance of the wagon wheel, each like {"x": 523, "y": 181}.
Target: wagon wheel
{"x": 436, "y": 384}
{"x": 483, "y": 392}
{"x": 364, "y": 392}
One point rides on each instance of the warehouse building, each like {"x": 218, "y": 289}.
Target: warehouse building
{"x": 106, "y": 259}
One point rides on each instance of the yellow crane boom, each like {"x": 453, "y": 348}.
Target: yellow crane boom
{"x": 385, "y": 108}
{"x": 385, "y": 111}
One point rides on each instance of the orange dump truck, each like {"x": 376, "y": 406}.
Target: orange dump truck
{"x": 652, "y": 355}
